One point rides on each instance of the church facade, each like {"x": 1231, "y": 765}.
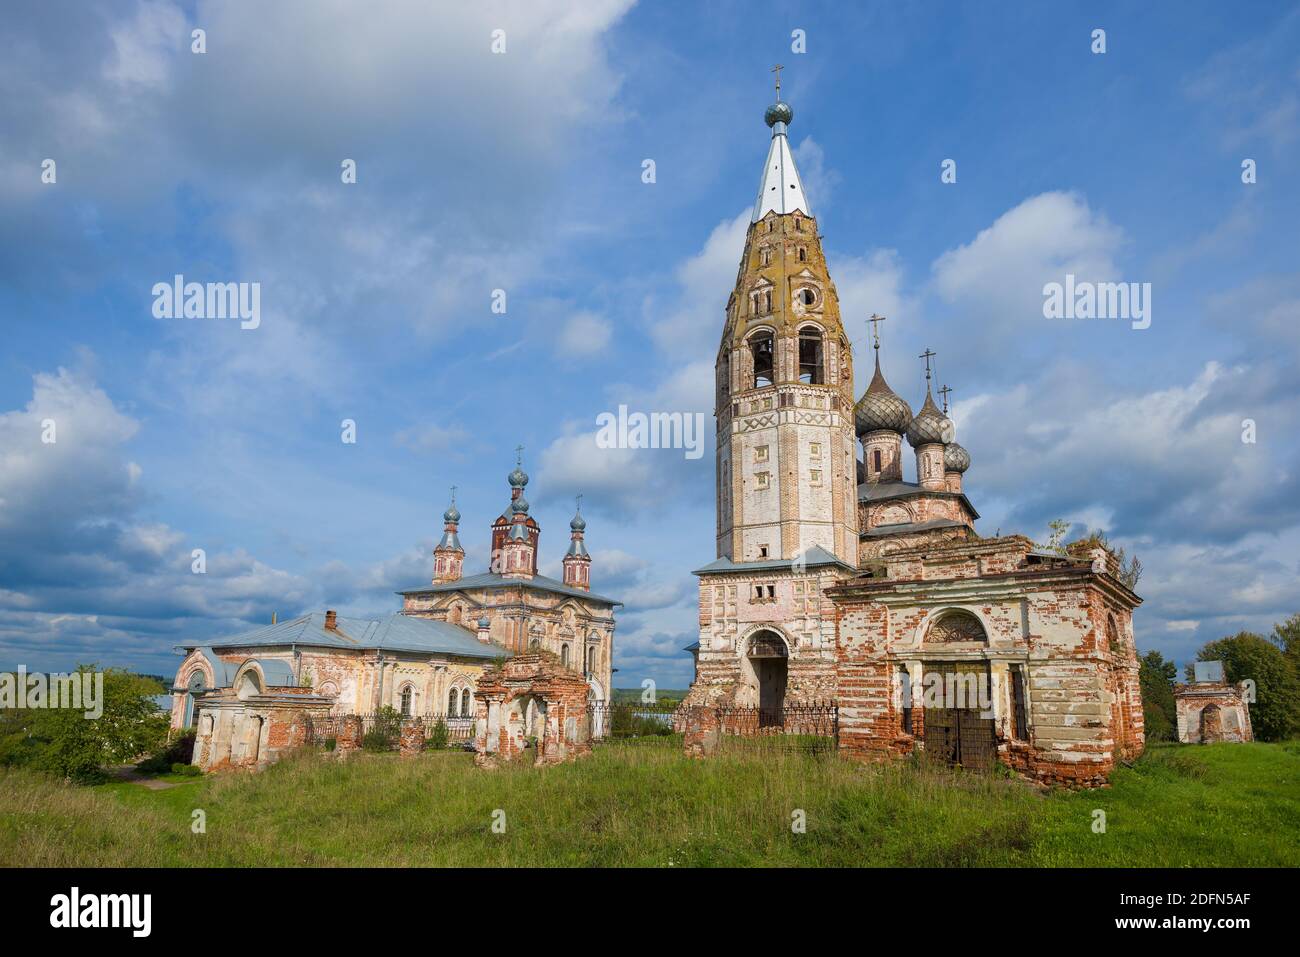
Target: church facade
{"x": 252, "y": 695}
{"x": 837, "y": 578}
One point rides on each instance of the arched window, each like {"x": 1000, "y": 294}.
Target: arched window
{"x": 803, "y": 254}
{"x": 767, "y": 301}
{"x": 591, "y": 660}
{"x": 564, "y": 655}
{"x": 724, "y": 375}
{"x": 955, "y": 627}
{"x": 453, "y": 702}
{"x": 406, "y": 701}
{"x": 876, "y": 459}
{"x": 810, "y": 355}
{"x": 466, "y": 699}
{"x": 761, "y": 347}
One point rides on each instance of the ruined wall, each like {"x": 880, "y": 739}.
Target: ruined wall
{"x": 1211, "y": 713}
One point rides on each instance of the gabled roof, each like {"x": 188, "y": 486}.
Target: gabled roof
{"x": 813, "y": 558}
{"x": 394, "y": 633}
{"x": 492, "y": 580}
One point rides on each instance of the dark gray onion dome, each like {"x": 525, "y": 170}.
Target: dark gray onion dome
{"x": 579, "y": 524}
{"x": 881, "y": 408}
{"x": 929, "y": 425}
{"x": 452, "y": 514}
{"x": 778, "y": 113}
{"x": 519, "y": 505}
{"x": 518, "y": 478}
{"x": 955, "y": 458}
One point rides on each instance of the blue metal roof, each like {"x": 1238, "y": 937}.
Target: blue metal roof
{"x": 394, "y": 633}
{"x": 813, "y": 558}
{"x": 492, "y": 580}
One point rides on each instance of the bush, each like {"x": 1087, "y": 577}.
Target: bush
{"x": 189, "y": 770}
{"x": 438, "y": 737}
{"x": 330, "y": 744}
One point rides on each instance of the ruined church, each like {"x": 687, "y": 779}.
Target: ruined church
{"x": 839, "y": 577}
{"x": 255, "y": 695}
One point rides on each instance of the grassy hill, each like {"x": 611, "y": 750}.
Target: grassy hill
{"x": 647, "y": 805}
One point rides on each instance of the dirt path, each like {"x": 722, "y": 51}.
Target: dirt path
{"x": 127, "y": 772}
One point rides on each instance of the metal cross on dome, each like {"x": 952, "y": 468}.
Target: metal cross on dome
{"x": 875, "y": 322}
{"x": 777, "y": 70}
{"x": 945, "y": 391}
{"x": 927, "y": 355}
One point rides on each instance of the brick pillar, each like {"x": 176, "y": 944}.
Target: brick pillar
{"x": 411, "y": 742}
{"x": 701, "y": 737}
{"x": 349, "y": 737}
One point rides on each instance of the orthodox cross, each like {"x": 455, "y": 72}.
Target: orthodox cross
{"x": 578, "y": 500}
{"x": 453, "y": 495}
{"x": 777, "y": 70}
{"x": 519, "y": 455}
{"x": 875, "y": 322}
{"x": 927, "y": 355}
{"x": 944, "y": 392}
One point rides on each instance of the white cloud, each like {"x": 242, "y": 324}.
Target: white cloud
{"x": 584, "y": 334}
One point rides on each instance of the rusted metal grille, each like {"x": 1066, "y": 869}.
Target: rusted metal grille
{"x": 382, "y": 731}
{"x": 807, "y": 728}
{"x": 654, "y": 722}
{"x": 963, "y": 736}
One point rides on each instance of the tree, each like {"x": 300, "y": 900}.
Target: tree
{"x": 65, "y": 742}
{"x": 1286, "y": 636}
{"x": 1156, "y": 679}
{"x": 1275, "y": 713}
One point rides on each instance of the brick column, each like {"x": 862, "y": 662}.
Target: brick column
{"x": 349, "y": 737}
{"x": 701, "y": 737}
{"x": 411, "y": 743}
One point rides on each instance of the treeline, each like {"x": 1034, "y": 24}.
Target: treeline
{"x": 64, "y": 742}
{"x": 1272, "y": 662}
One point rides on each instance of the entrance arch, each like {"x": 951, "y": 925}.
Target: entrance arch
{"x": 766, "y": 669}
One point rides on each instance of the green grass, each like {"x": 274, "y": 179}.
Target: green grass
{"x": 647, "y": 805}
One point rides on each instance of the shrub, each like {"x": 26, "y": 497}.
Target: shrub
{"x": 377, "y": 740}
{"x": 439, "y": 737}
{"x": 188, "y": 770}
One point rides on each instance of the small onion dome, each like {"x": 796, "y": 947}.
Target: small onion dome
{"x": 518, "y": 478}
{"x": 579, "y": 524}
{"x": 881, "y": 408}
{"x": 484, "y": 622}
{"x": 929, "y": 425}
{"x": 955, "y": 458}
{"x": 519, "y": 505}
{"x": 778, "y": 113}
{"x": 452, "y": 514}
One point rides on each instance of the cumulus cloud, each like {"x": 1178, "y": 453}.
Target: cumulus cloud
{"x": 584, "y": 334}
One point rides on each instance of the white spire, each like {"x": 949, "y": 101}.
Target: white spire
{"x": 781, "y": 189}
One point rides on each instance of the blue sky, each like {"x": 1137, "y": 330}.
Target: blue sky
{"x": 522, "y": 171}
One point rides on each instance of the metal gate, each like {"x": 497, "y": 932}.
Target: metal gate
{"x": 960, "y": 735}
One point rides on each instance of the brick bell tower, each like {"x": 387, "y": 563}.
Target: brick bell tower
{"x": 786, "y": 449}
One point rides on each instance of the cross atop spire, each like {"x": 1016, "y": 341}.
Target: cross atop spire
{"x": 453, "y": 495}
{"x": 875, "y": 322}
{"x": 519, "y": 455}
{"x": 927, "y": 355}
{"x": 777, "y": 70}
{"x": 945, "y": 392}
{"x": 578, "y": 501}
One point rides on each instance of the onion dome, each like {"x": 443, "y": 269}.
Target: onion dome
{"x": 452, "y": 515}
{"x": 519, "y": 505}
{"x": 881, "y": 408}
{"x": 929, "y": 425}
{"x": 484, "y": 622}
{"x": 579, "y": 524}
{"x": 778, "y": 113}
{"x": 518, "y": 478}
{"x": 955, "y": 458}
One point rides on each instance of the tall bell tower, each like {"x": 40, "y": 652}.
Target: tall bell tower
{"x": 786, "y": 462}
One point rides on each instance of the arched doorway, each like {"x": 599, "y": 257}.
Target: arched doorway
{"x": 767, "y": 664}
{"x": 194, "y": 687}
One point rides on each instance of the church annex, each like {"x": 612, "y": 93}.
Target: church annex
{"x": 253, "y": 695}
{"x": 838, "y": 578}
